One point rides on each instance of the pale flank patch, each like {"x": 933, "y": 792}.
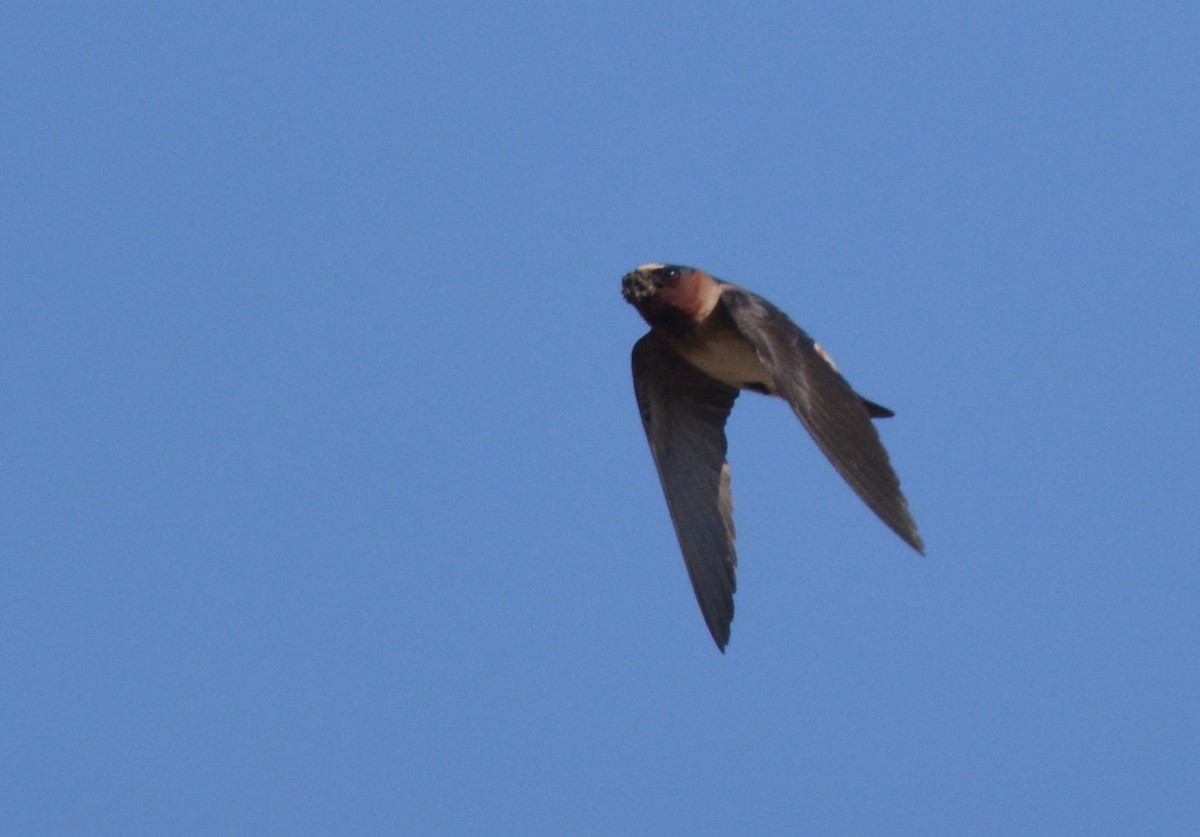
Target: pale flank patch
{"x": 828, "y": 359}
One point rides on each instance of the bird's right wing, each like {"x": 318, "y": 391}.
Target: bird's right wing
{"x": 684, "y": 413}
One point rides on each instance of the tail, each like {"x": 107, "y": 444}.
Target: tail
{"x": 876, "y": 411}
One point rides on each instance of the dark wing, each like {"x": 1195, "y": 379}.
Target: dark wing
{"x": 837, "y": 417}
{"x": 684, "y": 412}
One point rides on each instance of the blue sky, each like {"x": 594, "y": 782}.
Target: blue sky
{"x": 325, "y": 504}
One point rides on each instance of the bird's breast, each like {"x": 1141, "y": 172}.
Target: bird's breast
{"x": 727, "y": 357}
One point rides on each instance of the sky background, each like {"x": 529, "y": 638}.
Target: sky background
{"x": 325, "y": 506}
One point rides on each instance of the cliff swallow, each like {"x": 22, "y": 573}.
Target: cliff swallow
{"x": 709, "y": 340}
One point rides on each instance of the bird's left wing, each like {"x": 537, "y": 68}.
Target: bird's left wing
{"x": 836, "y": 416}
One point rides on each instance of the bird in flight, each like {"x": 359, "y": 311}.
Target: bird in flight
{"x": 709, "y": 340}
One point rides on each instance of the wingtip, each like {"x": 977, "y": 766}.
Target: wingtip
{"x": 720, "y": 636}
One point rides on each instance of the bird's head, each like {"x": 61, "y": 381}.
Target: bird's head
{"x": 645, "y": 282}
{"x": 670, "y": 296}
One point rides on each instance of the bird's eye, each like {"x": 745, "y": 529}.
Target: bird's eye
{"x": 671, "y": 274}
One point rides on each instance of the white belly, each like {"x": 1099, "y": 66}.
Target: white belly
{"x": 729, "y": 359}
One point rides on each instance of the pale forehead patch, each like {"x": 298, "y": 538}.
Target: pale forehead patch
{"x": 653, "y": 266}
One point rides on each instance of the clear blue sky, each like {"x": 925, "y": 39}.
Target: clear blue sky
{"x": 325, "y": 506}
